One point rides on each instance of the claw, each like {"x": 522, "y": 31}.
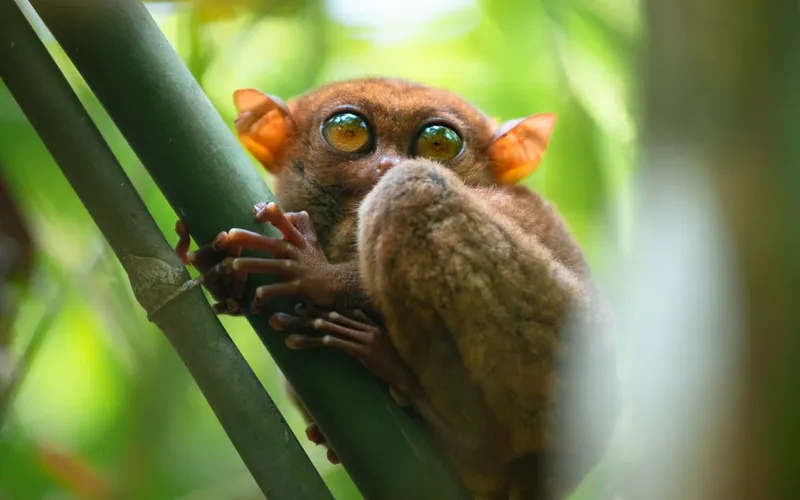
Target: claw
{"x": 259, "y": 207}
{"x": 226, "y": 307}
{"x": 221, "y": 242}
{"x": 233, "y": 306}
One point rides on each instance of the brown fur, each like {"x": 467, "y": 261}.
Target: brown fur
{"x": 475, "y": 285}
{"x": 474, "y": 280}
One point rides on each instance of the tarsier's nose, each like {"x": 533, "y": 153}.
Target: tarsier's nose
{"x": 385, "y": 163}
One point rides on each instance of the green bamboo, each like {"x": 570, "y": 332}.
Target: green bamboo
{"x": 159, "y": 280}
{"x": 210, "y": 182}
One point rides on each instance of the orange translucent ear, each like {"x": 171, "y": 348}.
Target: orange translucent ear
{"x": 518, "y": 145}
{"x": 263, "y": 125}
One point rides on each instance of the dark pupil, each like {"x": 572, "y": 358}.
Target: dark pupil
{"x": 440, "y": 137}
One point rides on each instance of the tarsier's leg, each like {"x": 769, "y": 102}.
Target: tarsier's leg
{"x": 468, "y": 299}
{"x": 472, "y": 307}
{"x": 433, "y": 252}
{"x": 436, "y": 257}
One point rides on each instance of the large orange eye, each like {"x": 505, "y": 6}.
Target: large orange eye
{"x": 438, "y": 142}
{"x": 347, "y": 132}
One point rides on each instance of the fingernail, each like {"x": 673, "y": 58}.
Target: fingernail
{"x": 278, "y": 321}
{"x": 334, "y": 315}
{"x": 259, "y": 207}
{"x": 318, "y": 323}
{"x": 191, "y": 257}
{"x": 293, "y": 341}
{"x": 233, "y": 306}
{"x": 236, "y": 265}
{"x": 218, "y": 241}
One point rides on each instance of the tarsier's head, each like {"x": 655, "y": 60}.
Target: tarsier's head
{"x": 361, "y": 128}
{"x": 329, "y": 147}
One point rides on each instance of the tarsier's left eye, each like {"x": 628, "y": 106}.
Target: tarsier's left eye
{"x": 438, "y": 142}
{"x": 347, "y": 132}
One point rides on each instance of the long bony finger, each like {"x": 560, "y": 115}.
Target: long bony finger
{"x": 271, "y": 213}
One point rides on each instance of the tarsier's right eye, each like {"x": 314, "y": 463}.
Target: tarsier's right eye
{"x": 438, "y": 142}
{"x": 347, "y": 132}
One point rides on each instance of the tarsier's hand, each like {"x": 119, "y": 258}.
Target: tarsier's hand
{"x": 216, "y": 271}
{"x": 297, "y": 259}
{"x": 355, "y": 335}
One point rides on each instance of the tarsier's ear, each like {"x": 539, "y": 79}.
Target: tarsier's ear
{"x": 264, "y": 125}
{"x": 518, "y": 145}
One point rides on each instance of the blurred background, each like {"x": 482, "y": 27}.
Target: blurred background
{"x": 98, "y": 395}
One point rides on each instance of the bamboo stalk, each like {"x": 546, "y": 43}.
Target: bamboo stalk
{"x": 209, "y": 181}
{"x": 160, "y": 282}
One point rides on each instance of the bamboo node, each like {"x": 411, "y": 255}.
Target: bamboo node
{"x": 155, "y": 283}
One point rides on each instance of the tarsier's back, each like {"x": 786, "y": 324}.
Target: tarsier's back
{"x": 474, "y": 278}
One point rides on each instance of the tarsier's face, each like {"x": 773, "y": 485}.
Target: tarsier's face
{"x": 354, "y": 132}
{"x": 329, "y": 147}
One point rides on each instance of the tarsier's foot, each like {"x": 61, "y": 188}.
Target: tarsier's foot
{"x": 315, "y": 436}
{"x": 296, "y": 259}
{"x": 360, "y": 337}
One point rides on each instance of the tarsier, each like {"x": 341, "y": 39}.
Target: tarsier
{"x": 409, "y": 246}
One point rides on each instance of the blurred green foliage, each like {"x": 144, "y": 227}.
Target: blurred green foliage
{"x": 104, "y": 393}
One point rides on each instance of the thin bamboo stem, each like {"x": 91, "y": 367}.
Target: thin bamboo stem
{"x": 159, "y": 280}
